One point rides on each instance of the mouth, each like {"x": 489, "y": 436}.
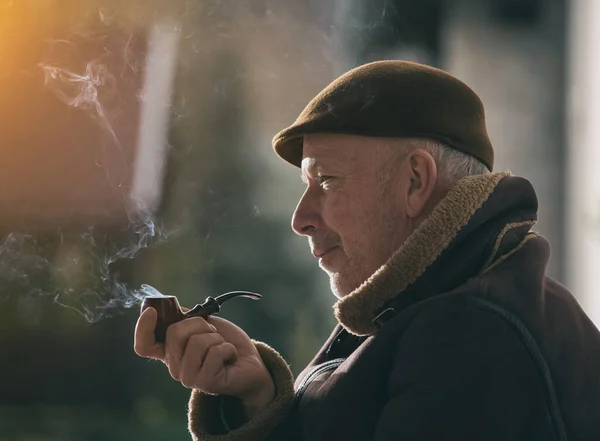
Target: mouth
{"x": 319, "y": 253}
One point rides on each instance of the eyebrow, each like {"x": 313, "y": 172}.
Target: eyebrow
{"x": 312, "y": 167}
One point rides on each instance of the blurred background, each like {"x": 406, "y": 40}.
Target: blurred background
{"x": 135, "y": 149}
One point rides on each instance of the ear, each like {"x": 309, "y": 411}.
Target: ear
{"x": 422, "y": 172}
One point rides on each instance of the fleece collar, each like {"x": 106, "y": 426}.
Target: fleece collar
{"x": 464, "y": 228}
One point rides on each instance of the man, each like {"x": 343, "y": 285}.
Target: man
{"x": 448, "y": 327}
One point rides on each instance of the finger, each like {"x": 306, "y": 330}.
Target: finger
{"x": 177, "y": 339}
{"x": 188, "y": 310}
{"x": 228, "y": 330}
{"x": 213, "y": 376}
{"x": 144, "y": 343}
{"x": 195, "y": 353}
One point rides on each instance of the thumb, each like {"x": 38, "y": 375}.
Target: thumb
{"x": 145, "y": 344}
{"x": 147, "y": 318}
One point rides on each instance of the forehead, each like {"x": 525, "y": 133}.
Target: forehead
{"x": 332, "y": 147}
{"x": 347, "y": 152}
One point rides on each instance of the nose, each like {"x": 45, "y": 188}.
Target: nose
{"x": 307, "y": 217}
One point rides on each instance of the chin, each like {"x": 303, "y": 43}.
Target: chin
{"x": 340, "y": 289}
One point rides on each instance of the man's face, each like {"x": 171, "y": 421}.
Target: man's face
{"x": 353, "y": 216}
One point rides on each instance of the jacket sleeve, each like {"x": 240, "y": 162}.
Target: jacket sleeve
{"x": 464, "y": 374}
{"x": 207, "y": 421}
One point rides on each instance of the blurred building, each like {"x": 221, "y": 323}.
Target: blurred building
{"x": 531, "y": 61}
{"x": 170, "y": 106}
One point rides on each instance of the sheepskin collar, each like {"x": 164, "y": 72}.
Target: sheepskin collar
{"x": 464, "y": 235}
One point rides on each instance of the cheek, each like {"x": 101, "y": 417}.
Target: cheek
{"x": 337, "y": 210}
{"x": 348, "y": 217}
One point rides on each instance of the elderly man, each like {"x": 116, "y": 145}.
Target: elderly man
{"x": 448, "y": 327}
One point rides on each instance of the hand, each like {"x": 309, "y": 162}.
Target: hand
{"x": 214, "y": 356}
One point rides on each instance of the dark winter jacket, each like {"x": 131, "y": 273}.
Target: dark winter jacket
{"x": 459, "y": 336}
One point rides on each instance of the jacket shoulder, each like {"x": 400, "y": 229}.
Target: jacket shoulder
{"x": 464, "y": 362}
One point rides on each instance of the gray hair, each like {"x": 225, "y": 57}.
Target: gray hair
{"x": 452, "y": 164}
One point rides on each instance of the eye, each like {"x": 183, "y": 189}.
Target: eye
{"x": 322, "y": 179}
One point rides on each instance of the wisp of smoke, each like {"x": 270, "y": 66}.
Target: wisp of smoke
{"x": 82, "y": 90}
{"x": 80, "y": 271}
{"x": 74, "y": 270}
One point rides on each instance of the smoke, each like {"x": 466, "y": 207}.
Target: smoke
{"x": 82, "y": 90}
{"x": 79, "y": 271}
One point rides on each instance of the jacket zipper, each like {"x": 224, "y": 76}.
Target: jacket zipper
{"x": 318, "y": 370}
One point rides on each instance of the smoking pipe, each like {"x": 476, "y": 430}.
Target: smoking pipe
{"x": 169, "y": 310}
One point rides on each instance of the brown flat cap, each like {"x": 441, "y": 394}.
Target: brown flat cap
{"x": 393, "y": 99}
